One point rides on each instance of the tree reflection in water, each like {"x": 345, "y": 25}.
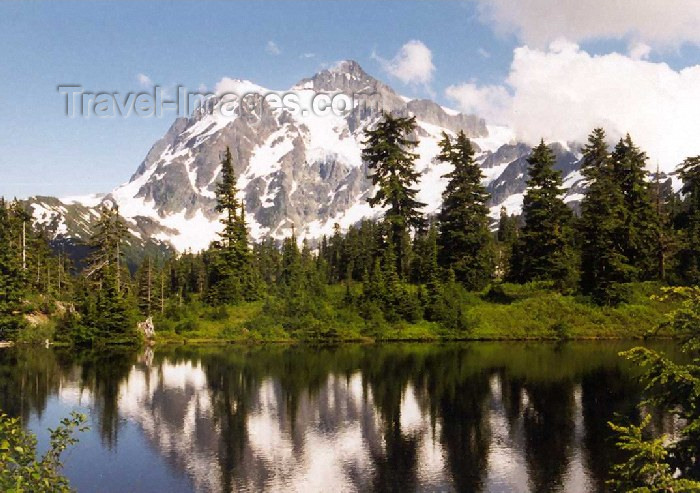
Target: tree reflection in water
{"x": 431, "y": 417}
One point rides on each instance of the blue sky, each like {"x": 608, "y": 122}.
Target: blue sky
{"x": 105, "y": 46}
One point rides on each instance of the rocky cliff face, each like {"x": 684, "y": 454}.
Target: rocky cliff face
{"x": 295, "y": 166}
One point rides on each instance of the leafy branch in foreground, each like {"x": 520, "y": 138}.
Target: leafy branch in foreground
{"x": 664, "y": 464}
{"x": 21, "y": 470}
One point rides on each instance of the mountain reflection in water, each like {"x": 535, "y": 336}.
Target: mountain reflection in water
{"x": 502, "y": 417}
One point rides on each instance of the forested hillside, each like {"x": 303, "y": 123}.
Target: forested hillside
{"x": 546, "y": 273}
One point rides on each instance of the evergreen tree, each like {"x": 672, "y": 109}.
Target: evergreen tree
{"x": 604, "y": 264}
{"x": 110, "y": 313}
{"x": 388, "y": 155}
{"x": 146, "y": 286}
{"x": 506, "y": 236}
{"x": 231, "y": 279}
{"x": 464, "y": 240}
{"x": 107, "y": 256}
{"x": 507, "y": 227}
{"x": 544, "y": 248}
{"x": 641, "y": 228}
{"x": 12, "y": 275}
{"x": 425, "y": 255}
{"x": 665, "y": 207}
{"x": 689, "y": 256}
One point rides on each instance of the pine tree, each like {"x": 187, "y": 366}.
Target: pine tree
{"x": 665, "y": 205}
{"x": 641, "y": 229}
{"x": 425, "y": 249}
{"x": 506, "y": 237}
{"x": 604, "y": 265}
{"x": 12, "y": 275}
{"x": 464, "y": 240}
{"x": 230, "y": 279}
{"x": 388, "y": 155}
{"x": 689, "y": 256}
{"x": 544, "y": 248}
{"x": 507, "y": 227}
{"x": 112, "y": 314}
{"x": 106, "y": 243}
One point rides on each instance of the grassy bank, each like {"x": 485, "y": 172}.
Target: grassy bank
{"x": 507, "y": 312}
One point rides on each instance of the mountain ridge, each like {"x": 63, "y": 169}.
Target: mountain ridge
{"x": 294, "y": 170}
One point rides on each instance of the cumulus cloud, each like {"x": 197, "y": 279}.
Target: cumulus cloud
{"x": 639, "y": 50}
{"x": 537, "y": 23}
{"x": 490, "y": 102}
{"x": 413, "y": 64}
{"x": 563, "y": 92}
{"x": 144, "y": 81}
{"x": 272, "y": 48}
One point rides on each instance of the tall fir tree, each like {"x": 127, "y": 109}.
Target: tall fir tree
{"x": 107, "y": 248}
{"x": 689, "y": 255}
{"x": 389, "y": 157}
{"x": 665, "y": 202}
{"x": 508, "y": 230}
{"x": 506, "y": 236}
{"x": 230, "y": 278}
{"x": 641, "y": 228}
{"x": 12, "y": 275}
{"x": 464, "y": 240}
{"x": 604, "y": 265}
{"x": 544, "y": 250}
{"x": 424, "y": 265}
{"x": 110, "y": 313}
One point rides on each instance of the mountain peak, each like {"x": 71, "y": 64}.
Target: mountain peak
{"x": 347, "y": 67}
{"x": 345, "y": 75}
{"x": 291, "y": 169}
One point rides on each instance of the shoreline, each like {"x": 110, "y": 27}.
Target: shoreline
{"x": 293, "y": 342}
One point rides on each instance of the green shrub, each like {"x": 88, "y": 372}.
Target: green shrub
{"x": 187, "y": 325}
{"x": 36, "y": 334}
{"x": 20, "y": 468}
{"x": 217, "y": 314}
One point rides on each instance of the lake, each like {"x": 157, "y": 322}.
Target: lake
{"x": 483, "y": 416}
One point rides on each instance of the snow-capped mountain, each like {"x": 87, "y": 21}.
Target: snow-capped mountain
{"x": 295, "y": 167}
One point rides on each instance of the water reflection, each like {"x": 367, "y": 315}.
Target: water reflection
{"x": 456, "y": 417}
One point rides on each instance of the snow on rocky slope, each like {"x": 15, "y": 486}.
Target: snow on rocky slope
{"x": 295, "y": 167}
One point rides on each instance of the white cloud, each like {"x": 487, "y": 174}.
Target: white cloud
{"x": 272, "y": 48}
{"x": 489, "y": 102}
{"x": 562, "y": 93}
{"x": 484, "y": 53}
{"x": 144, "y": 81}
{"x": 639, "y": 50}
{"x": 538, "y": 22}
{"x": 307, "y": 55}
{"x": 413, "y": 64}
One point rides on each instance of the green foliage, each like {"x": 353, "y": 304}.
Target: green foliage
{"x": 640, "y": 233}
{"x": 465, "y": 243}
{"x": 689, "y": 221}
{"x": 12, "y": 275}
{"x": 604, "y": 264}
{"x": 673, "y": 388}
{"x": 388, "y": 155}
{"x": 20, "y": 468}
{"x": 647, "y": 470}
{"x": 544, "y": 250}
{"x": 231, "y": 276}
{"x": 384, "y": 279}
{"x": 449, "y": 304}
{"x": 107, "y": 310}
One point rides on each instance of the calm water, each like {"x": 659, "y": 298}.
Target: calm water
{"x": 495, "y": 417}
